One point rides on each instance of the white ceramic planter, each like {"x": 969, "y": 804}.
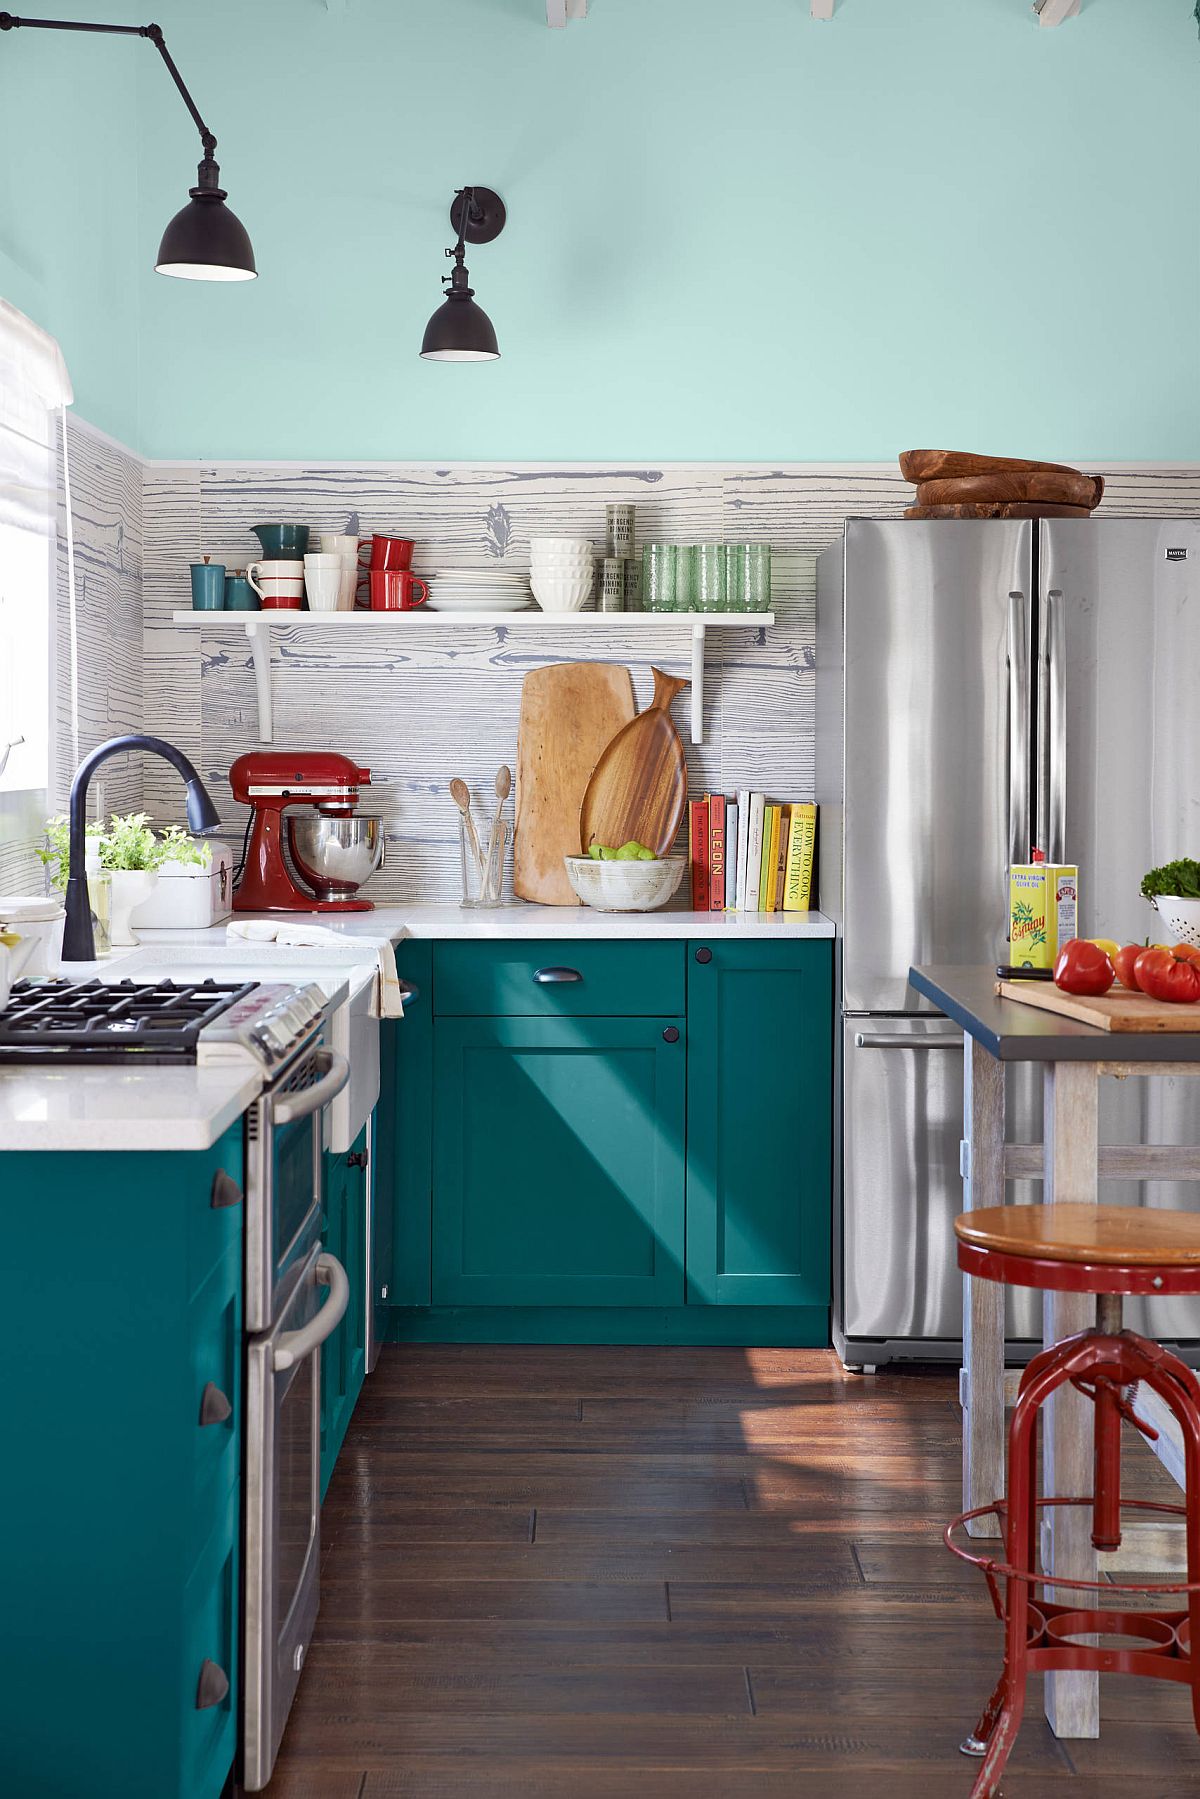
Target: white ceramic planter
{"x": 130, "y": 886}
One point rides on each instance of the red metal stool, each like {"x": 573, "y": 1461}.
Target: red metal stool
{"x": 1109, "y": 1251}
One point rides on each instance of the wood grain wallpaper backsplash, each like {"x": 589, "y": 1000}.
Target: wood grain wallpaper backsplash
{"x": 420, "y": 703}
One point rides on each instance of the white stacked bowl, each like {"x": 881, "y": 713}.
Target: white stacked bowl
{"x": 561, "y": 572}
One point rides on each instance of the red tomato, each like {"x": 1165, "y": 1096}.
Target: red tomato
{"x": 1165, "y": 976}
{"x": 1187, "y": 952}
{"x": 1124, "y": 961}
{"x": 1083, "y": 967}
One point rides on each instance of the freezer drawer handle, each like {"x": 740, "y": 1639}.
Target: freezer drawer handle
{"x": 335, "y": 1072}
{"x": 547, "y": 977}
{"x": 293, "y": 1346}
{"x": 889, "y": 1040}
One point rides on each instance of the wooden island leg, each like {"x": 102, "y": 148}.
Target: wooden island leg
{"x": 982, "y": 1382}
{"x": 1071, "y": 1164}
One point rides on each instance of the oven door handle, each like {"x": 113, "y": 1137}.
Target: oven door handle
{"x": 335, "y": 1072}
{"x": 293, "y": 1346}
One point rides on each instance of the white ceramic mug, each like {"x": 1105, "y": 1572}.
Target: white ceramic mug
{"x": 338, "y": 543}
{"x": 323, "y": 576}
{"x": 341, "y": 543}
{"x": 278, "y": 584}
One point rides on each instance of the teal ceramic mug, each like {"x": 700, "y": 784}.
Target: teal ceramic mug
{"x": 239, "y": 595}
{"x": 208, "y": 586}
{"x": 282, "y": 543}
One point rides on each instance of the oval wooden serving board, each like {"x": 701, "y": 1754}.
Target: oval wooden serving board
{"x": 1112, "y": 1011}
{"x": 638, "y": 789}
{"x": 570, "y": 713}
{"x": 938, "y": 465}
{"x": 1042, "y": 484}
{"x": 999, "y": 509}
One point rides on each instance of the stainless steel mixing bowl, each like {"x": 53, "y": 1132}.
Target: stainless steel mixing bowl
{"x": 335, "y": 855}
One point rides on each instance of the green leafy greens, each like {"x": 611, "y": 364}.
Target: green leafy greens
{"x": 1178, "y": 880}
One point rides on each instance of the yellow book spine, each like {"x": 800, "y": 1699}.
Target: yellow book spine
{"x": 797, "y": 888}
{"x": 772, "y": 858}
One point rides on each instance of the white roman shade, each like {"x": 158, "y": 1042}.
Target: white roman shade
{"x": 34, "y": 387}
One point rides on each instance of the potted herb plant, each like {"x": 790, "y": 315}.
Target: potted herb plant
{"x": 130, "y": 852}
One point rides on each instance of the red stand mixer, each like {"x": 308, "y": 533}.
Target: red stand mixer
{"x": 335, "y": 850}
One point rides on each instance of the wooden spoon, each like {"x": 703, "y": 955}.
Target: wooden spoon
{"x": 460, "y": 793}
{"x": 503, "y": 789}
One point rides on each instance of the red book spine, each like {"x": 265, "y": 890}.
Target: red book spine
{"x": 698, "y": 853}
{"x": 716, "y": 853}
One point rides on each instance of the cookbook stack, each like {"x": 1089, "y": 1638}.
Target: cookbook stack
{"x": 748, "y": 853}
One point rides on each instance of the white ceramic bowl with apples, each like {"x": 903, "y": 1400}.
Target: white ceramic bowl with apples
{"x": 632, "y": 886}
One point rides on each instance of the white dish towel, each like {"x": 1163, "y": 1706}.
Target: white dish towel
{"x": 385, "y": 1000}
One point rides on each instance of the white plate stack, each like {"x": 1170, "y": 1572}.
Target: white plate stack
{"x": 477, "y": 590}
{"x": 562, "y": 572}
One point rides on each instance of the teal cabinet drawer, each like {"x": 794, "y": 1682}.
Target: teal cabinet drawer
{"x": 209, "y": 1662}
{"x": 595, "y": 980}
{"x": 215, "y": 1368}
{"x": 558, "y": 1162}
{"x": 760, "y": 1115}
{"x": 209, "y": 1186}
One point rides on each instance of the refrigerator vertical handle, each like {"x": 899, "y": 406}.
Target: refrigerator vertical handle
{"x": 1018, "y": 729}
{"x": 1052, "y": 772}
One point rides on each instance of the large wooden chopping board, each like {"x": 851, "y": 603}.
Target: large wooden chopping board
{"x": 1041, "y": 484}
{"x": 638, "y": 789}
{"x": 938, "y": 465}
{"x": 570, "y": 713}
{"x": 1113, "y": 1011}
{"x": 999, "y": 509}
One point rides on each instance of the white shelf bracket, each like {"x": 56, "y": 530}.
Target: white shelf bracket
{"x": 821, "y": 9}
{"x": 260, "y": 648}
{"x": 697, "y": 683}
{"x": 558, "y": 12}
{"x": 1053, "y": 12}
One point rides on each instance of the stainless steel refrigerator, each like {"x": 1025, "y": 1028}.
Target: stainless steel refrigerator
{"x": 982, "y": 687}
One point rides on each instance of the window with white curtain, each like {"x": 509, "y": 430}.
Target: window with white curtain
{"x": 34, "y": 389}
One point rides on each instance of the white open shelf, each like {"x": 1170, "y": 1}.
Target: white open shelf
{"x": 258, "y": 627}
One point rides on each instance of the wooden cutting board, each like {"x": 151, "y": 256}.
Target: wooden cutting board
{"x": 937, "y": 465}
{"x": 570, "y": 713}
{"x": 999, "y": 509}
{"x": 638, "y": 789}
{"x": 1114, "y": 1011}
{"x": 1042, "y": 484}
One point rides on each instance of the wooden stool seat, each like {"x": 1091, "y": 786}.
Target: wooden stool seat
{"x": 1082, "y": 1249}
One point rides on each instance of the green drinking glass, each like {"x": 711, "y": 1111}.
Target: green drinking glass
{"x": 711, "y": 577}
{"x": 686, "y": 591}
{"x": 659, "y": 578}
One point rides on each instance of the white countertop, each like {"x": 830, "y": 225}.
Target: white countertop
{"x": 120, "y": 1107}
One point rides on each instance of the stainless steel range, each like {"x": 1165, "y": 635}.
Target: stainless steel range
{"x": 278, "y": 1029}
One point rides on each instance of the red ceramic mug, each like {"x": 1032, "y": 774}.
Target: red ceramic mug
{"x": 386, "y": 552}
{"x": 396, "y": 589}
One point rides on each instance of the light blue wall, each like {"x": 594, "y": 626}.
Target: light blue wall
{"x": 733, "y": 232}
{"x": 69, "y": 228}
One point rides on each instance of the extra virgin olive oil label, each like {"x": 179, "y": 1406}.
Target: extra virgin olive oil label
{"x": 1043, "y": 912}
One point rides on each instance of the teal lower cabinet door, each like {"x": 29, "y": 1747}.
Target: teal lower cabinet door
{"x": 344, "y": 1352}
{"x": 558, "y": 1175}
{"x": 759, "y": 1198}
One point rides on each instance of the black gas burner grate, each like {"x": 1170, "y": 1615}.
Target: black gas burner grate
{"x": 111, "y": 1021}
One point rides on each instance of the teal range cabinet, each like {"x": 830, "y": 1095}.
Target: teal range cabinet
{"x": 122, "y": 1488}
{"x": 558, "y": 1161}
{"x": 344, "y": 1352}
{"x": 759, "y": 1139}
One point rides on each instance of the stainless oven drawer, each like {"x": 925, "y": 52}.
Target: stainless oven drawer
{"x": 282, "y": 1551}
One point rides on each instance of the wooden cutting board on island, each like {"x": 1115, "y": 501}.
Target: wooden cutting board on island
{"x": 1116, "y": 1010}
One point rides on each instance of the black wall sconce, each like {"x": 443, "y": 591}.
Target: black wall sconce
{"x": 460, "y": 331}
{"x": 204, "y": 242}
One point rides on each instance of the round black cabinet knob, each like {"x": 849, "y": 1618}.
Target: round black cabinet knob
{"x": 704, "y": 955}
{"x": 671, "y": 1034}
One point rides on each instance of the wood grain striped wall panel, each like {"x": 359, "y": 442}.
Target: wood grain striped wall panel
{"x": 428, "y": 704}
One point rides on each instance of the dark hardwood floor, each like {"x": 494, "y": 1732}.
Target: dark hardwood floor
{"x": 579, "y": 1573}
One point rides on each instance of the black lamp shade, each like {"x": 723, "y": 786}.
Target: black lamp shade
{"x": 460, "y": 331}
{"x": 206, "y": 242}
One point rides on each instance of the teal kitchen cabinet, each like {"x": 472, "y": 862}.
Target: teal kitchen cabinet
{"x": 344, "y": 1352}
{"x": 558, "y": 1161}
{"x": 122, "y": 1492}
{"x": 760, "y": 1039}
